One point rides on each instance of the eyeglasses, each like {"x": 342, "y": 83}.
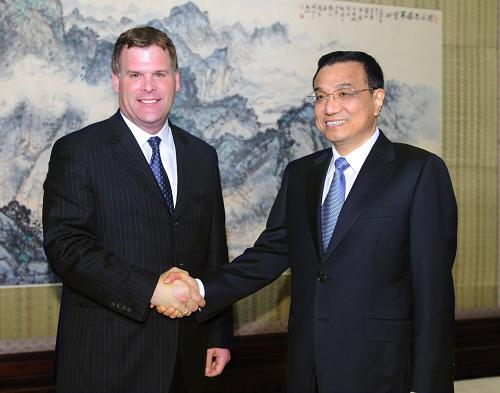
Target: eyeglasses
{"x": 342, "y": 95}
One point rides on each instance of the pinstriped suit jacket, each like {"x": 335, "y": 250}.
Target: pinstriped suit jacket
{"x": 108, "y": 235}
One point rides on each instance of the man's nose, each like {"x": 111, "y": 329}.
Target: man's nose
{"x": 332, "y": 105}
{"x": 149, "y": 84}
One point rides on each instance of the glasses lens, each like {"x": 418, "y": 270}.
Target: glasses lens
{"x": 344, "y": 93}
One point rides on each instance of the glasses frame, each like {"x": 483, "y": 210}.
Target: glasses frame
{"x": 311, "y": 97}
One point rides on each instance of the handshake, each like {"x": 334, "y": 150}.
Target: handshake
{"x": 177, "y": 294}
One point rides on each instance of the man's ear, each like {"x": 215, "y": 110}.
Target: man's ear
{"x": 116, "y": 82}
{"x": 378, "y": 100}
{"x": 177, "y": 80}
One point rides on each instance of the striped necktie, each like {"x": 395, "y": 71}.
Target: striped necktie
{"x": 159, "y": 172}
{"x": 334, "y": 200}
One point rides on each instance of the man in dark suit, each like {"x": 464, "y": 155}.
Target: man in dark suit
{"x": 372, "y": 305}
{"x": 125, "y": 200}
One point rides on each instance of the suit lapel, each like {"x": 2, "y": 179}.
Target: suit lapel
{"x": 314, "y": 191}
{"x": 129, "y": 155}
{"x": 185, "y": 161}
{"x": 374, "y": 173}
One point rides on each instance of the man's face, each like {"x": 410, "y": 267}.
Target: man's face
{"x": 347, "y": 124}
{"x": 146, "y": 86}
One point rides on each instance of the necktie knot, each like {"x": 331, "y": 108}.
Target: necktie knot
{"x": 154, "y": 142}
{"x": 341, "y": 164}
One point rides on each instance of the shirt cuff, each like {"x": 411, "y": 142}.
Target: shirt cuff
{"x": 201, "y": 287}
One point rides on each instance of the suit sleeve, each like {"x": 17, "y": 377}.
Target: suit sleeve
{"x": 433, "y": 242}
{"x": 257, "y": 267}
{"x": 69, "y": 226}
{"x": 221, "y": 327}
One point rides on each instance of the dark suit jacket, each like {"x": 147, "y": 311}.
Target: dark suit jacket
{"x": 375, "y": 314}
{"x": 108, "y": 235}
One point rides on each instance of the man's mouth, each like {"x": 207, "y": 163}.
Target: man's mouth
{"x": 149, "y": 101}
{"x": 335, "y": 123}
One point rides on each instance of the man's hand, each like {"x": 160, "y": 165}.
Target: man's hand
{"x": 217, "y": 358}
{"x": 178, "y": 274}
{"x": 176, "y": 299}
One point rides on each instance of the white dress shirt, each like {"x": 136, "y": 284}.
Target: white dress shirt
{"x": 356, "y": 159}
{"x": 167, "y": 151}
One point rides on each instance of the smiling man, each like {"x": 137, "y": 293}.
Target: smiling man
{"x": 125, "y": 200}
{"x": 368, "y": 228}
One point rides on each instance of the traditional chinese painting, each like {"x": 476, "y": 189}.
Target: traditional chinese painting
{"x": 246, "y": 69}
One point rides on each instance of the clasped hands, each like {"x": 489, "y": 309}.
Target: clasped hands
{"x": 177, "y": 294}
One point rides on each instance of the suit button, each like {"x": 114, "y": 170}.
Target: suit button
{"x": 321, "y": 277}
{"x": 176, "y": 223}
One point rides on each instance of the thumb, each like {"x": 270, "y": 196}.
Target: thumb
{"x": 172, "y": 276}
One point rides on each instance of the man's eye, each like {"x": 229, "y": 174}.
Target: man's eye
{"x": 134, "y": 75}
{"x": 160, "y": 75}
{"x": 343, "y": 93}
{"x": 320, "y": 96}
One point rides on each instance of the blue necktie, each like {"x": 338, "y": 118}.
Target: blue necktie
{"x": 159, "y": 172}
{"x": 334, "y": 200}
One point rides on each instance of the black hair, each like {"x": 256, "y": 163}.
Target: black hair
{"x": 373, "y": 71}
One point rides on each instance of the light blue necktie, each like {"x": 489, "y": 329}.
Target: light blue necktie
{"x": 334, "y": 200}
{"x": 159, "y": 172}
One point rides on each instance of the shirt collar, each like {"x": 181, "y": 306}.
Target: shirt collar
{"x": 142, "y": 136}
{"x": 357, "y": 157}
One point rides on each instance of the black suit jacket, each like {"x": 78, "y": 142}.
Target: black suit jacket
{"x": 108, "y": 235}
{"x": 375, "y": 313}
